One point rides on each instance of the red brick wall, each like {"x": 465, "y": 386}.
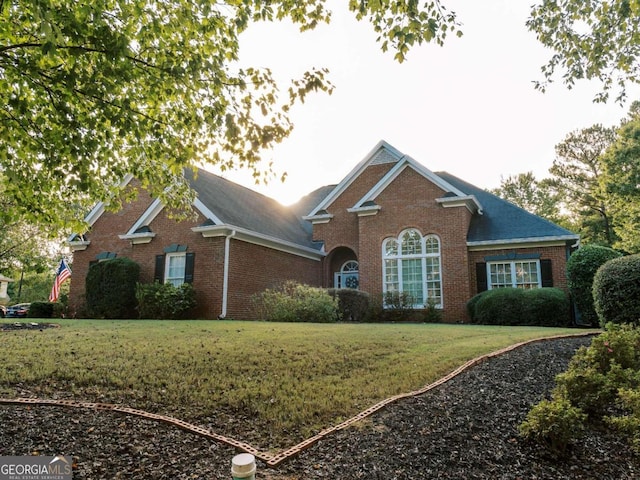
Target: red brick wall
{"x": 342, "y": 230}
{"x": 409, "y": 202}
{"x": 253, "y": 268}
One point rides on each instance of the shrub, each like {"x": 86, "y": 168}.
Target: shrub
{"x": 515, "y": 306}
{"x": 616, "y": 290}
{"x": 628, "y": 423}
{"x": 581, "y": 268}
{"x": 354, "y": 305}
{"x": 553, "y": 423}
{"x": 111, "y": 288}
{"x": 546, "y": 307}
{"x": 432, "y": 314}
{"x": 164, "y": 300}
{"x": 472, "y": 302}
{"x": 293, "y": 302}
{"x": 595, "y": 374}
{"x": 501, "y": 306}
{"x": 41, "y": 310}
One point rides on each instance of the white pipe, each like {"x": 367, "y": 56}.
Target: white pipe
{"x": 225, "y": 274}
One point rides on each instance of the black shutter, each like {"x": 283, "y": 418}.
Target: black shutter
{"x": 189, "y": 263}
{"x": 546, "y": 272}
{"x": 158, "y": 276}
{"x": 481, "y": 276}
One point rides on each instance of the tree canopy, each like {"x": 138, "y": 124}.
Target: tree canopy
{"x": 591, "y": 39}
{"x": 96, "y": 90}
{"x": 621, "y": 182}
{"x": 577, "y": 173}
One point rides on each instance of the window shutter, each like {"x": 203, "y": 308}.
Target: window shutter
{"x": 546, "y": 272}
{"x": 481, "y": 276}
{"x": 189, "y": 263}
{"x": 158, "y": 276}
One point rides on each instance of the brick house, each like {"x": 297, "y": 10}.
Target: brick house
{"x": 391, "y": 225}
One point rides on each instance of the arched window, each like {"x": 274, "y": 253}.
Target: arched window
{"x": 411, "y": 268}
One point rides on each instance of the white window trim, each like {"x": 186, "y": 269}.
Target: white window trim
{"x": 422, "y": 256}
{"x": 512, "y": 266}
{"x": 167, "y": 260}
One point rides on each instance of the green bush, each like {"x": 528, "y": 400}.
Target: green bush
{"x": 41, "y": 310}
{"x": 293, "y": 302}
{"x": 581, "y": 268}
{"x": 553, "y": 423}
{"x": 516, "y": 306}
{"x": 501, "y": 306}
{"x": 164, "y": 300}
{"x": 595, "y": 374}
{"x": 354, "y": 305}
{"x": 628, "y": 422}
{"x": 546, "y": 307}
{"x": 600, "y": 379}
{"x": 616, "y": 290}
{"x": 111, "y": 288}
{"x": 472, "y": 302}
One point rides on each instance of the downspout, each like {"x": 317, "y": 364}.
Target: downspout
{"x": 225, "y": 274}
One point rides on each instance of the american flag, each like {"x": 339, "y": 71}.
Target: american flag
{"x": 64, "y": 272}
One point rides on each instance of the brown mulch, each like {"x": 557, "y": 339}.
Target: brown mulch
{"x": 464, "y": 429}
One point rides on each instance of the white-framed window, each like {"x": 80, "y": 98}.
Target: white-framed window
{"x": 348, "y": 276}
{"x": 516, "y": 274}
{"x": 175, "y": 268}
{"x": 411, "y": 266}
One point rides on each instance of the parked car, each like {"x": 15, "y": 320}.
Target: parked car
{"x": 18, "y": 310}
{"x": 3, "y": 311}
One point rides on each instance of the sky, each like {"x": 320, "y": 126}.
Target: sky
{"x": 468, "y": 108}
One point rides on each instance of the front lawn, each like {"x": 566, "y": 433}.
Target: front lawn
{"x": 272, "y": 384}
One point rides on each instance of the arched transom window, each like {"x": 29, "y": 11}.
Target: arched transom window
{"x": 348, "y": 276}
{"x": 411, "y": 267}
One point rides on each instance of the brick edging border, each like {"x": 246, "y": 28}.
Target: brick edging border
{"x": 273, "y": 460}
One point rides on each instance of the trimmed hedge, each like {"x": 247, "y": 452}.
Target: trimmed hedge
{"x": 514, "y": 306}
{"x": 111, "y": 288}
{"x": 616, "y": 291}
{"x": 354, "y": 305}
{"x": 581, "y": 268}
{"x": 40, "y": 310}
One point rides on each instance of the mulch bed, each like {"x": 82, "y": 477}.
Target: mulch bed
{"x": 464, "y": 429}
{"x": 8, "y": 327}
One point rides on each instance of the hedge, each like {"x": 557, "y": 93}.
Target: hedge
{"x": 581, "y": 268}
{"x": 515, "y": 306}
{"x": 616, "y": 291}
{"x": 111, "y": 288}
{"x": 354, "y": 305}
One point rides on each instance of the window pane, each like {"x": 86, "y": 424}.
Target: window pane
{"x": 526, "y": 274}
{"x": 175, "y": 269}
{"x": 500, "y": 275}
{"x": 432, "y": 246}
{"x": 411, "y": 243}
{"x": 391, "y": 283}
{"x": 412, "y": 280}
{"x": 434, "y": 290}
{"x": 391, "y": 247}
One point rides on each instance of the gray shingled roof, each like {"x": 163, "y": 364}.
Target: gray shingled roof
{"x": 502, "y": 220}
{"x": 238, "y": 206}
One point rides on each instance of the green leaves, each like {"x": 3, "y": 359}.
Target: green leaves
{"x": 592, "y": 39}
{"x": 95, "y": 90}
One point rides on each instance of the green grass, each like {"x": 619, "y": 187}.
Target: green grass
{"x": 272, "y": 384}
